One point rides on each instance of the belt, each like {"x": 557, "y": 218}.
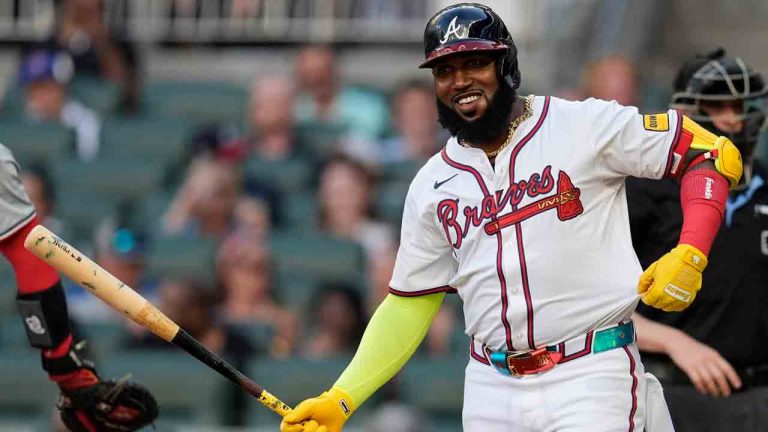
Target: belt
{"x": 521, "y": 363}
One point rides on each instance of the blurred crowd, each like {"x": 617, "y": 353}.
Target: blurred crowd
{"x": 312, "y": 157}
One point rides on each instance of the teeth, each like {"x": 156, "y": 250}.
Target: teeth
{"x": 468, "y": 99}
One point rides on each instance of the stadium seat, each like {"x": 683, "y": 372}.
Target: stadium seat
{"x": 183, "y": 257}
{"x": 258, "y": 334}
{"x": 145, "y": 139}
{"x": 7, "y": 289}
{"x": 37, "y": 142}
{"x": 101, "y": 95}
{"x": 202, "y": 102}
{"x": 286, "y": 177}
{"x": 402, "y": 172}
{"x": 82, "y": 211}
{"x": 300, "y": 212}
{"x": 120, "y": 178}
{"x": 104, "y": 337}
{"x": 435, "y": 386}
{"x": 152, "y": 209}
{"x": 187, "y": 391}
{"x": 320, "y": 138}
{"x": 295, "y": 291}
{"x": 317, "y": 256}
{"x": 12, "y": 335}
{"x": 391, "y": 201}
{"x": 28, "y": 397}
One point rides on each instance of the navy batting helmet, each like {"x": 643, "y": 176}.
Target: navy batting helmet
{"x": 471, "y": 27}
{"x": 714, "y": 78}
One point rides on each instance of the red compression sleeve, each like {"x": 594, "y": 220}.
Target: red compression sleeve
{"x": 32, "y": 274}
{"x": 703, "y": 193}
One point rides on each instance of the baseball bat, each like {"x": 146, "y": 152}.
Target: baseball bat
{"x": 79, "y": 268}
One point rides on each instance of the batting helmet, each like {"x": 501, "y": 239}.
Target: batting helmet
{"x": 717, "y": 78}
{"x": 471, "y": 27}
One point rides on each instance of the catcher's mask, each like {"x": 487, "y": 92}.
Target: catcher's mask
{"x": 467, "y": 27}
{"x": 715, "y": 78}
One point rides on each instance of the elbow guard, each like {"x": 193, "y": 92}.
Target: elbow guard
{"x": 697, "y": 144}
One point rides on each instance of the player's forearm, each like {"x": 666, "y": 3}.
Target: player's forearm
{"x": 653, "y": 336}
{"x": 393, "y": 334}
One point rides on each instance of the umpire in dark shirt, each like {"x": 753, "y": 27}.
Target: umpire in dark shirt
{"x": 713, "y": 356}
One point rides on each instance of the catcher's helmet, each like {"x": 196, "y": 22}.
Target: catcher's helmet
{"x": 715, "y": 77}
{"x": 471, "y": 27}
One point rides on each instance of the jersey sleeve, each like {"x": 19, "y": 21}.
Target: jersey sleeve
{"x": 15, "y": 207}
{"x": 425, "y": 263}
{"x": 632, "y": 144}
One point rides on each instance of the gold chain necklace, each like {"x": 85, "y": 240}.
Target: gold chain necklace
{"x": 527, "y": 113}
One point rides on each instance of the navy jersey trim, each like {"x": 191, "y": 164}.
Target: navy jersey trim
{"x": 633, "y": 373}
{"x": 445, "y": 288}
{"x": 518, "y": 228}
{"x": 499, "y": 269}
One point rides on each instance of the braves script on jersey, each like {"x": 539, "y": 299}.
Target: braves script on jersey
{"x": 538, "y": 247}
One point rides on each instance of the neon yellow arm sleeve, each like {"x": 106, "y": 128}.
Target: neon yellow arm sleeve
{"x": 393, "y": 334}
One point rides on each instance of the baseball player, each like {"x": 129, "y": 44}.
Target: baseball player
{"x": 715, "y": 347}
{"x": 87, "y": 403}
{"x": 523, "y": 214}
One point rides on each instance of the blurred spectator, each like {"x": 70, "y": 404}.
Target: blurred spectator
{"x": 345, "y": 210}
{"x": 344, "y": 196}
{"x": 205, "y": 202}
{"x": 253, "y": 217}
{"x": 119, "y": 249}
{"x": 245, "y": 274}
{"x": 417, "y": 133}
{"x": 96, "y": 50}
{"x": 338, "y": 321}
{"x": 270, "y": 134}
{"x": 192, "y": 307}
{"x": 45, "y": 77}
{"x": 360, "y": 116}
{"x": 612, "y": 77}
{"x": 39, "y": 188}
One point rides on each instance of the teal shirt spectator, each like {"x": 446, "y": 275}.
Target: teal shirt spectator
{"x": 357, "y": 113}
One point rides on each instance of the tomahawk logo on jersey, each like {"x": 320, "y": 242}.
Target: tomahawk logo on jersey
{"x": 561, "y": 178}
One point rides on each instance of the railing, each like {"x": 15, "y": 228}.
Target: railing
{"x": 201, "y": 21}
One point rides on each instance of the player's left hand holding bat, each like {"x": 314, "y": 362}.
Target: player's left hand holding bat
{"x": 327, "y": 412}
{"x": 671, "y": 283}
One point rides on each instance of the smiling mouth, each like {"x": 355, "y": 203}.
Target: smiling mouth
{"x": 466, "y": 98}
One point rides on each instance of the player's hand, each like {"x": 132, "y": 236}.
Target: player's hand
{"x": 671, "y": 283}
{"x": 709, "y": 372}
{"x": 325, "y": 413}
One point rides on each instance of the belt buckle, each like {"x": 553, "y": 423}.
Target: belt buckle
{"x": 525, "y": 354}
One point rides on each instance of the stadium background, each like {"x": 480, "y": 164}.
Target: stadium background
{"x": 189, "y": 134}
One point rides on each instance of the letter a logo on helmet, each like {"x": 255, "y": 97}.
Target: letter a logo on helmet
{"x": 468, "y": 27}
{"x": 455, "y": 30}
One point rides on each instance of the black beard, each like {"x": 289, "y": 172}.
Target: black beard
{"x": 489, "y": 126}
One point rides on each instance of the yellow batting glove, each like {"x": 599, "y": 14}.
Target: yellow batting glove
{"x": 325, "y": 413}
{"x": 671, "y": 283}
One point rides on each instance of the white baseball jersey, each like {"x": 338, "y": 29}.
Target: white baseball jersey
{"x": 562, "y": 262}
